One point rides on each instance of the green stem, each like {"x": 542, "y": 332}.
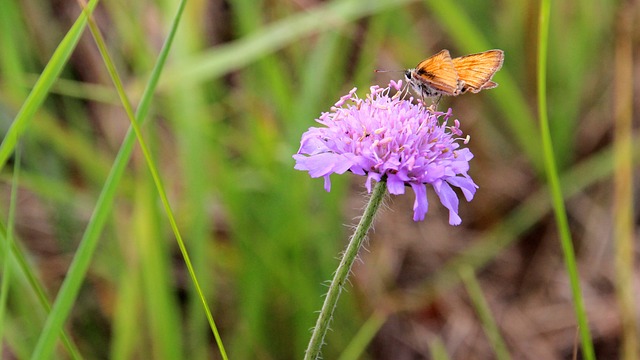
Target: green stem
{"x": 554, "y": 185}
{"x": 340, "y": 278}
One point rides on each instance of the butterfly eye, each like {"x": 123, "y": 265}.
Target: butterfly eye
{"x": 407, "y": 74}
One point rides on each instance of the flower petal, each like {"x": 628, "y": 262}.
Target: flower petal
{"x": 312, "y": 145}
{"x": 371, "y": 176}
{"x": 465, "y": 184}
{"x": 449, "y": 199}
{"x": 395, "y": 185}
{"x": 322, "y": 164}
{"x": 421, "y": 204}
{"x": 327, "y": 183}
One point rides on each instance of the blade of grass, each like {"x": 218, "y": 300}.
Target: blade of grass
{"x": 160, "y": 306}
{"x": 358, "y": 345}
{"x": 68, "y": 142}
{"x": 11, "y": 253}
{"x": 571, "y": 65}
{"x": 437, "y": 349}
{"x": 10, "y": 61}
{"x": 194, "y": 126}
{"x": 79, "y": 90}
{"x": 155, "y": 175}
{"x": 26, "y": 269}
{"x": 554, "y": 183}
{"x": 6, "y": 271}
{"x": 75, "y": 275}
{"x": 43, "y": 85}
{"x": 623, "y": 194}
{"x": 51, "y": 189}
{"x": 73, "y": 145}
{"x": 484, "y": 312}
{"x": 126, "y": 336}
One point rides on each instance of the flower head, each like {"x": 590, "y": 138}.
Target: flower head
{"x": 388, "y": 138}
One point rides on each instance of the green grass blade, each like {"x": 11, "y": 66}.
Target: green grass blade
{"x": 437, "y": 349}
{"x": 484, "y": 312}
{"x": 156, "y": 177}
{"x": 43, "y": 85}
{"x": 358, "y": 345}
{"x": 12, "y": 253}
{"x": 78, "y": 268}
{"x": 126, "y": 336}
{"x": 554, "y": 184}
{"x": 155, "y": 265}
{"x": 10, "y": 61}
{"x": 8, "y": 243}
{"x": 26, "y": 269}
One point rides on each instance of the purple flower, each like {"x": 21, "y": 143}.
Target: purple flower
{"x": 388, "y": 138}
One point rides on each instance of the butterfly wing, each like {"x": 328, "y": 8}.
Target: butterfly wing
{"x": 475, "y": 70}
{"x": 438, "y": 72}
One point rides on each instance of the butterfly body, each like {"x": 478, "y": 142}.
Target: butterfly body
{"x": 442, "y": 75}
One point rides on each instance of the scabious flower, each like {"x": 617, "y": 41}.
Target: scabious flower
{"x": 388, "y": 138}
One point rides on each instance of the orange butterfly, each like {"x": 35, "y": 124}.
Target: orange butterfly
{"x": 441, "y": 75}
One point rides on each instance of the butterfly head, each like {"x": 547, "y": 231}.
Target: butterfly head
{"x": 408, "y": 75}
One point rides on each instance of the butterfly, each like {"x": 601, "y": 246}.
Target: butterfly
{"x": 441, "y": 75}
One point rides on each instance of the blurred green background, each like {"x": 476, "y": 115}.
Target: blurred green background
{"x": 243, "y": 81}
